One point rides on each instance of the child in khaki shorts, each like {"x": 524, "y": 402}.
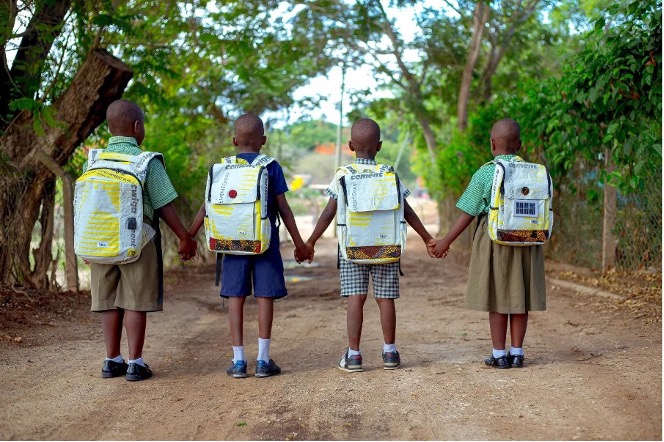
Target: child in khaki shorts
{"x": 124, "y": 293}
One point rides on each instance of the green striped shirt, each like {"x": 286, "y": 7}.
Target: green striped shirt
{"x": 158, "y": 190}
{"x": 477, "y": 197}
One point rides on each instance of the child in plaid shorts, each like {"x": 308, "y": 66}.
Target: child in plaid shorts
{"x": 365, "y": 142}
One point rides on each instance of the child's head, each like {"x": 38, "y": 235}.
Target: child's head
{"x": 126, "y": 119}
{"x": 249, "y": 133}
{"x": 365, "y": 138}
{"x": 505, "y": 137}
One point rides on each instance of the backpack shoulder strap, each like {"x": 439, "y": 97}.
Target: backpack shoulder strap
{"x": 142, "y": 164}
{"x": 262, "y": 160}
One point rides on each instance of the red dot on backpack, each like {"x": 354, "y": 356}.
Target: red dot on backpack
{"x": 232, "y": 193}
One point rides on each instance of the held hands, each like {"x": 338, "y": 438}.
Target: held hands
{"x": 188, "y": 248}
{"x": 304, "y": 253}
{"x": 441, "y": 248}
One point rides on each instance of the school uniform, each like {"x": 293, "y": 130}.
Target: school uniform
{"x": 135, "y": 286}
{"x": 502, "y": 279}
{"x": 355, "y": 277}
{"x": 265, "y": 272}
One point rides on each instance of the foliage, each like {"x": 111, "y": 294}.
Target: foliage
{"x": 608, "y": 98}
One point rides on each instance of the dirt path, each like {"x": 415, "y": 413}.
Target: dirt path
{"x": 591, "y": 373}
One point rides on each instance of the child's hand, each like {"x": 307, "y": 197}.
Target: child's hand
{"x": 431, "y": 244}
{"x": 188, "y": 248}
{"x": 304, "y": 253}
{"x": 441, "y": 248}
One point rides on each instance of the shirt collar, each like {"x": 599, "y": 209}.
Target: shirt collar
{"x": 122, "y": 139}
{"x": 365, "y": 161}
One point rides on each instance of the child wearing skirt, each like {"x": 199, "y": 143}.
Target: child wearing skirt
{"x": 506, "y": 281}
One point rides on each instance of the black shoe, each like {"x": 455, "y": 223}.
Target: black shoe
{"x": 516, "y": 361}
{"x": 500, "y": 362}
{"x": 112, "y": 369}
{"x": 137, "y": 372}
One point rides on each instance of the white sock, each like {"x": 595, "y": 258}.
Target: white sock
{"x": 516, "y": 351}
{"x": 117, "y": 359}
{"x": 238, "y": 353}
{"x": 138, "y": 361}
{"x": 263, "y": 350}
{"x": 352, "y": 352}
{"x": 389, "y": 348}
{"x": 499, "y": 353}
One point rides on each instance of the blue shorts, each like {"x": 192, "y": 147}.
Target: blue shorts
{"x": 265, "y": 271}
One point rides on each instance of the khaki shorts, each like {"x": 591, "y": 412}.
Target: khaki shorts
{"x": 133, "y": 286}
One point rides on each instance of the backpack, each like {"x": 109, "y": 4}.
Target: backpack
{"x": 521, "y": 209}
{"x": 371, "y": 227}
{"x": 108, "y": 207}
{"x": 236, "y": 197}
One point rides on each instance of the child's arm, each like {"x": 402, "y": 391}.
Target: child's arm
{"x": 304, "y": 251}
{"x": 198, "y": 221}
{"x": 188, "y": 246}
{"x": 414, "y": 221}
{"x": 324, "y": 221}
{"x": 443, "y": 245}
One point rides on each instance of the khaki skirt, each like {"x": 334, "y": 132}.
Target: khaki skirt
{"x": 504, "y": 279}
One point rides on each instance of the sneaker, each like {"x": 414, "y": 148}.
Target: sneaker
{"x": 500, "y": 362}
{"x": 112, "y": 369}
{"x": 267, "y": 369}
{"x": 350, "y": 363}
{"x": 516, "y": 361}
{"x": 138, "y": 372}
{"x": 391, "y": 360}
{"x": 237, "y": 369}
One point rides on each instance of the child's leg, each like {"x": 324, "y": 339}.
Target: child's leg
{"x": 354, "y": 319}
{"x": 111, "y": 325}
{"x": 498, "y": 326}
{"x": 236, "y": 319}
{"x": 265, "y": 314}
{"x": 518, "y": 326}
{"x": 135, "y": 323}
{"x": 388, "y": 319}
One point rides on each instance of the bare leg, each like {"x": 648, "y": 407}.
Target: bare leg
{"x": 354, "y": 318}
{"x": 518, "y": 325}
{"x": 111, "y": 325}
{"x": 498, "y": 326}
{"x": 135, "y": 323}
{"x": 265, "y": 314}
{"x": 388, "y": 319}
{"x": 236, "y": 319}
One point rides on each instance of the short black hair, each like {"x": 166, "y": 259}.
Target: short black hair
{"x": 364, "y": 133}
{"x": 121, "y": 116}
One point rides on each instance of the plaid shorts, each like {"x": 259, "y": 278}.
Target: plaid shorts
{"x": 355, "y": 279}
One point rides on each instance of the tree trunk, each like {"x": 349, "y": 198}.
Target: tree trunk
{"x": 100, "y": 80}
{"x": 23, "y": 80}
{"x": 480, "y": 17}
{"x": 608, "y": 238}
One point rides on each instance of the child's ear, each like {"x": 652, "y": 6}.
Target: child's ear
{"x": 380, "y": 144}
{"x": 235, "y": 142}
{"x": 264, "y": 140}
{"x": 493, "y": 145}
{"x": 350, "y": 146}
{"x": 518, "y": 146}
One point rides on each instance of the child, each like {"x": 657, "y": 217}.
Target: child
{"x": 265, "y": 270}
{"x": 506, "y": 281}
{"x": 124, "y": 293}
{"x": 365, "y": 142}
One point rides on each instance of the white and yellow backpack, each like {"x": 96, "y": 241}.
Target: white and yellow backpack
{"x": 236, "y": 198}
{"x": 108, "y": 207}
{"x": 521, "y": 210}
{"x": 370, "y": 214}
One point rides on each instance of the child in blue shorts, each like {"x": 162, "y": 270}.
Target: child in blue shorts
{"x": 365, "y": 142}
{"x": 264, "y": 271}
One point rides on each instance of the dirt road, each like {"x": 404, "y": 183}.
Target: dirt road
{"x": 591, "y": 373}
